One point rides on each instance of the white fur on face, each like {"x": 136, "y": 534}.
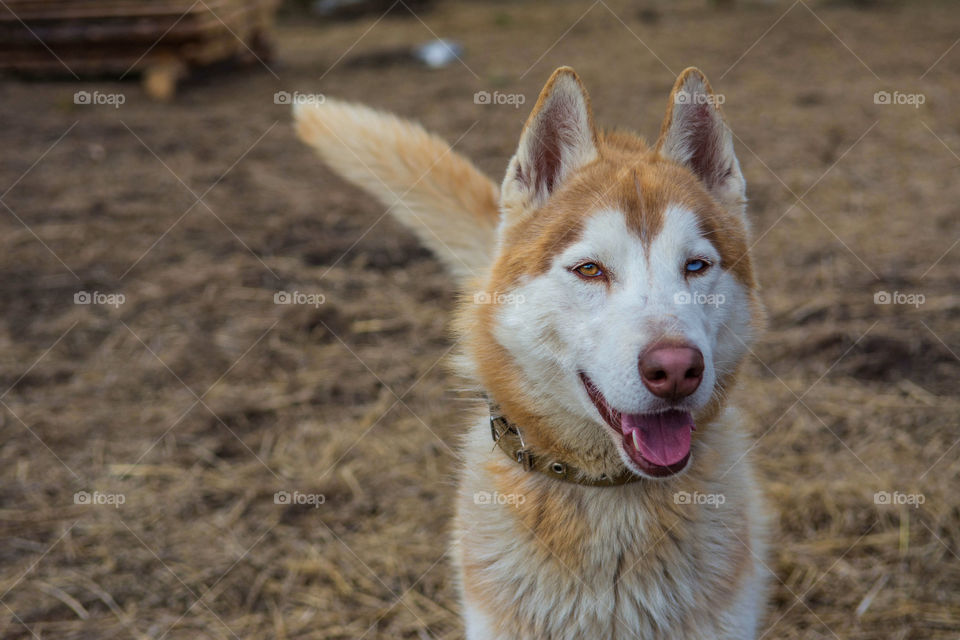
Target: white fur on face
{"x": 560, "y": 324}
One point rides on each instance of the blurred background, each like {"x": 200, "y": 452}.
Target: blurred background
{"x": 223, "y": 400}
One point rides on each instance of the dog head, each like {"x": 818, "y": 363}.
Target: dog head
{"x": 622, "y": 297}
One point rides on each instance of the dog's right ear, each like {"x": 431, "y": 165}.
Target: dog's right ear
{"x": 696, "y": 136}
{"x": 558, "y": 139}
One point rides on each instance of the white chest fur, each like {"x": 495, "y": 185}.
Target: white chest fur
{"x": 541, "y": 559}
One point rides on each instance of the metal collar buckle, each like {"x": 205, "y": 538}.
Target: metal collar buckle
{"x": 508, "y": 437}
{"x": 524, "y": 456}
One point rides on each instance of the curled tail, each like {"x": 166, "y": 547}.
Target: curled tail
{"x": 437, "y": 193}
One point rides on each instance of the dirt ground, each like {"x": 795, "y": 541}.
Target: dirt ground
{"x": 198, "y": 397}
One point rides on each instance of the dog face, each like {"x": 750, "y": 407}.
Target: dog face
{"x": 629, "y": 297}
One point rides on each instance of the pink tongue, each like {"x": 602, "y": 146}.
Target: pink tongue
{"x": 661, "y": 438}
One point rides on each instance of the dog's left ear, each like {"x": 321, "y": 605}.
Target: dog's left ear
{"x": 695, "y": 135}
{"x": 558, "y": 139}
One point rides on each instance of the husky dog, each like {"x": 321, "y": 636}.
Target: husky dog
{"x": 609, "y": 299}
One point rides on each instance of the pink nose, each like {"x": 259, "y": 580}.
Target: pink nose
{"x": 671, "y": 371}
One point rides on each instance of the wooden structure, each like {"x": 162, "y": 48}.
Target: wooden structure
{"x": 159, "y": 39}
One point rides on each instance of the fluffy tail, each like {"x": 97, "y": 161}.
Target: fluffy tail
{"x": 437, "y": 193}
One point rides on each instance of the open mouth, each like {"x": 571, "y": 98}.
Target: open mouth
{"x": 657, "y": 443}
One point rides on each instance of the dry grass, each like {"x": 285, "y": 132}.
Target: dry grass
{"x": 199, "y": 398}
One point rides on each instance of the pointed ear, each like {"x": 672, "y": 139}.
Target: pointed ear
{"x": 695, "y": 135}
{"x": 557, "y": 139}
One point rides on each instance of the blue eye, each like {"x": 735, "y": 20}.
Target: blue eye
{"x": 696, "y": 265}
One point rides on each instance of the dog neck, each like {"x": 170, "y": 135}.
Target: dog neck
{"x": 508, "y": 436}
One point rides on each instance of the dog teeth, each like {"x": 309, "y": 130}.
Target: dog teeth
{"x": 636, "y": 442}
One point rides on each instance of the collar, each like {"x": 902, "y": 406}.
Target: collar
{"x": 508, "y": 437}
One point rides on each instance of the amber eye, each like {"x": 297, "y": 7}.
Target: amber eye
{"x": 589, "y": 270}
